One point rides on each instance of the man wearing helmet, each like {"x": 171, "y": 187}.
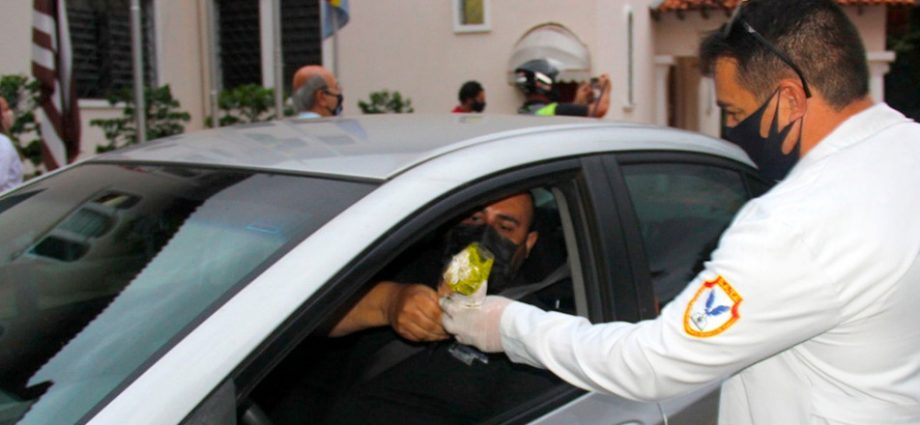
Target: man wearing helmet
{"x": 537, "y": 79}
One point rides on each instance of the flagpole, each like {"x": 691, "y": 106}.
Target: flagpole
{"x": 140, "y": 111}
{"x": 215, "y": 62}
{"x": 335, "y": 42}
{"x": 279, "y": 67}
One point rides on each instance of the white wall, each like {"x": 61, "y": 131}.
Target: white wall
{"x": 179, "y": 64}
{"x": 410, "y": 46}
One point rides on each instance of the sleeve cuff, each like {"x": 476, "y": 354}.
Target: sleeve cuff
{"x": 516, "y": 323}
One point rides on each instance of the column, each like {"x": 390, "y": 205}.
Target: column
{"x": 878, "y": 66}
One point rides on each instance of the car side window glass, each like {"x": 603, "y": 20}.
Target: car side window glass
{"x": 682, "y": 210}
{"x": 104, "y": 267}
{"x": 758, "y": 187}
{"x": 375, "y": 376}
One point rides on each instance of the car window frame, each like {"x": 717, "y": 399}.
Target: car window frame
{"x": 620, "y": 298}
{"x": 754, "y": 186}
{"x": 345, "y": 287}
{"x": 613, "y": 163}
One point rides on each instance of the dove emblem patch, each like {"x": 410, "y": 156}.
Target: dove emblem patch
{"x": 713, "y": 309}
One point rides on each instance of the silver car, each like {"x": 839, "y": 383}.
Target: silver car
{"x": 194, "y": 279}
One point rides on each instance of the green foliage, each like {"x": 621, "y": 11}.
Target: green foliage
{"x": 164, "y": 118}
{"x": 22, "y": 94}
{"x": 902, "y": 83}
{"x": 384, "y": 101}
{"x": 245, "y": 104}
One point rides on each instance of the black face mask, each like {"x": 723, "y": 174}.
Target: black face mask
{"x": 478, "y": 106}
{"x": 505, "y": 266}
{"x": 766, "y": 152}
{"x": 338, "y": 106}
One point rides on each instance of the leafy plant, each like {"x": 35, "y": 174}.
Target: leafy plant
{"x": 163, "y": 118}
{"x": 902, "y": 83}
{"x": 384, "y": 101}
{"x": 244, "y": 104}
{"x": 22, "y": 94}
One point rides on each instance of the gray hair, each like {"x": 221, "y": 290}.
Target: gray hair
{"x": 303, "y": 98}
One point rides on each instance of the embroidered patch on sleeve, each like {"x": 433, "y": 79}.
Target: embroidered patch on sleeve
{"x": 713, "y": 309}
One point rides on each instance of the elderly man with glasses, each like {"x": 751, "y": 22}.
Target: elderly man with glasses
{"x": 807, "y": 309}
{"x": 316, "y": 93}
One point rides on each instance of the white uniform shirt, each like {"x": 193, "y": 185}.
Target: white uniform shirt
{"x": 809, "y": 307}
{"x": 308, "y": 115}
{"x": 10, "y": 165}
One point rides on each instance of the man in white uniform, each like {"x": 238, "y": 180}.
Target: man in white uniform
{"x": 808, "y": 309}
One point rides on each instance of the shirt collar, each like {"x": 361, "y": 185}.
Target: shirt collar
{"x": 853, "y": 130}
{"x": 308, "y": 114}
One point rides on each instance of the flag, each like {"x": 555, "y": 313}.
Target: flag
{"x": 59, "y": 115}
{"x": 331, "y": 23}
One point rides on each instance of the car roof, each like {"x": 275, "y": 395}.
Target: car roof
{"x": 378, "y": 147}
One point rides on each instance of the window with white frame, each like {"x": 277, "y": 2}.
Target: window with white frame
{"x": 301, "y": 38}
{"x": 471, "y": 15}
{"x": 100, "y": 36}
{"x": 238, "y": 46}
{"x": 240, "y": 33}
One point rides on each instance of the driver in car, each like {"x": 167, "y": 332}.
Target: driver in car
{"x": 431, "y": 385}
{"x": 412, "y": 310}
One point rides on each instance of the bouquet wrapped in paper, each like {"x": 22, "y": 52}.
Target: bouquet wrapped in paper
{"x": 467, "y": 274}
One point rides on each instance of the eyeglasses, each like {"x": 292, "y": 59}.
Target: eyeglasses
{"x": 737, "y": 19}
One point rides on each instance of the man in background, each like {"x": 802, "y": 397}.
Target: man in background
{"x": 472, "y": 98}
{"x": 316, "y": 93}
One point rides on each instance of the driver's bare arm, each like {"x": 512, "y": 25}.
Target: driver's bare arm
{"x": 412, "y": 311}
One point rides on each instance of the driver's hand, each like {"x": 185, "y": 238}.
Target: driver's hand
{"x": 604, "y": 81}
{"x": 415, "y": 315}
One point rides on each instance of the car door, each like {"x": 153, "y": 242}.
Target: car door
{"x": 614, "y": 294}
{"x": 560, "y": 188}
{"x": 674, "y": 208}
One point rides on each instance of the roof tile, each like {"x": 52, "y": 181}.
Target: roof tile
{"x": 672, "y": 5}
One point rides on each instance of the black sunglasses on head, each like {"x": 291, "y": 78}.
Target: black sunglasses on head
{"x": 736, "y": 19}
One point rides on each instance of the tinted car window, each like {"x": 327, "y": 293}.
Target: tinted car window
{"x": 102, "y": 267}
{"x": 682, "y": 210}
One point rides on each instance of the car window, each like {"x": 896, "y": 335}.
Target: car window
{"x": 374, "y": 376}
{"x": 682, "y": 210}
{"x": 103, "y": 266}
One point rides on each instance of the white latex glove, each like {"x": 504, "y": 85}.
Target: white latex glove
{"x": 479, "y": 327}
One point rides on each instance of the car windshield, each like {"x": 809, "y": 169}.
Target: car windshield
{"x": 103, "y": 267}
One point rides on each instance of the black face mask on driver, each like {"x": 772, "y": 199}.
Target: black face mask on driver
{"x": 766, "y": 152}
{"x": 504, "y": 268}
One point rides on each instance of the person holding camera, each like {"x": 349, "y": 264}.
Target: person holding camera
{"x": 537, "y": 79}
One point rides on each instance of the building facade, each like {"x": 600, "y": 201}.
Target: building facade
{"x": 422, "y": 48}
